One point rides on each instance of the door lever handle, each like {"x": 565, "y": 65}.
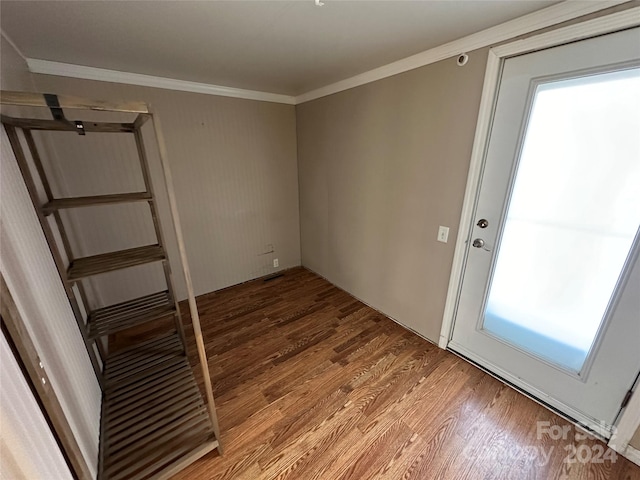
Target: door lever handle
{"x": 479, "y": 243}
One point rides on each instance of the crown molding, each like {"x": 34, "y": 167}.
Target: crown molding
{"x": 544, "y": 18}
{"x": 47, "y": 67}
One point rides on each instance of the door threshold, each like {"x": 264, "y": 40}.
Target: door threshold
{"x": 589, "y": 425}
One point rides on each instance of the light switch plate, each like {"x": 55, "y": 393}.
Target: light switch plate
{"x": 443, "y": 234}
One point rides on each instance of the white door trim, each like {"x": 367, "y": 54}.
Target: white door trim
{"x": 626, "y": 428}
{"x": 632, "y": 454}
{"x": 607, "y": 24}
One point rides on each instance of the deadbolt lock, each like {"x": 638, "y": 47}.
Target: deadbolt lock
{"x": 483, "y": 223}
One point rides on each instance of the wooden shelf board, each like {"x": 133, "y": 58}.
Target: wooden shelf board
{"x": 114, "y": 318}
{"x": 108, "y": 262}
{"x": 76, "y": 202}
{"x": 128, "y": 354}
{"x": 125, "y": 367}
{"x": 155, "y": 419}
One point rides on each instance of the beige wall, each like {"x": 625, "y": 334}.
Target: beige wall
{"x": 635, "y": 441}
{"x": 381, "y": 166}
{"x": 32, "y": 278}
{"x": 13, "y": 69}
{"x": 235, "y": 176}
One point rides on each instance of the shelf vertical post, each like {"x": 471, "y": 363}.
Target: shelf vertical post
{"x": 193, "y": 308}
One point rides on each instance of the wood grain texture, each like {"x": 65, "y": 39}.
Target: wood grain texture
{"x": 312, "y": 384}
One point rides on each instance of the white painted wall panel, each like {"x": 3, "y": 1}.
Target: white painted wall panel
{"x": 31, "y": 275}
{"x": 33, "y": 279}
{"x": 28, "y": 449}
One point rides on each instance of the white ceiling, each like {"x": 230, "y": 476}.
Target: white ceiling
{"x": 287, "y": 47}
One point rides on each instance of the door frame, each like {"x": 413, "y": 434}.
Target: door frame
{"x": 496, "y": 57}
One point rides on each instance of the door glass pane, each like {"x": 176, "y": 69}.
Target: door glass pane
{"x": 572, "y": 218}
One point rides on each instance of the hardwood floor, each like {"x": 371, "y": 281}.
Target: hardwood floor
{"x": 312, "y": 384}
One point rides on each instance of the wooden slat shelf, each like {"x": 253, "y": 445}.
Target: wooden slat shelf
{"x": 125, "y": 367}
{"x": 108, "y": 262}
{"x": 75, "y": 202}
{"x": 124, "y": 355}
{"x": 111, "y": 319}
{"x": 154, "y": 416}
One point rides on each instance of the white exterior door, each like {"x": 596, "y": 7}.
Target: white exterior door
{"x": 550, "y": 295}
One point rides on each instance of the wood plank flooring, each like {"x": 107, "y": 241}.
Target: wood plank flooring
{"x": 312, "y": 384}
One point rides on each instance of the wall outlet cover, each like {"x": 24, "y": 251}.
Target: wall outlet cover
{"x": 276, "y": 263}
{"x": 443, "y": 234}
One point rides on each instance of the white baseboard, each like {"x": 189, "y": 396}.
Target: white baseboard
{"x": 632, "y": 454}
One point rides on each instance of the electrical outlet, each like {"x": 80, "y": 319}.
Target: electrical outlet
{"x": 443, "y": 234}
{"x": 276, "y": 263}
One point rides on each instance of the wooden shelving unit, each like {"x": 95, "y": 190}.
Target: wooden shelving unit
{"x": 155, "y": 420}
